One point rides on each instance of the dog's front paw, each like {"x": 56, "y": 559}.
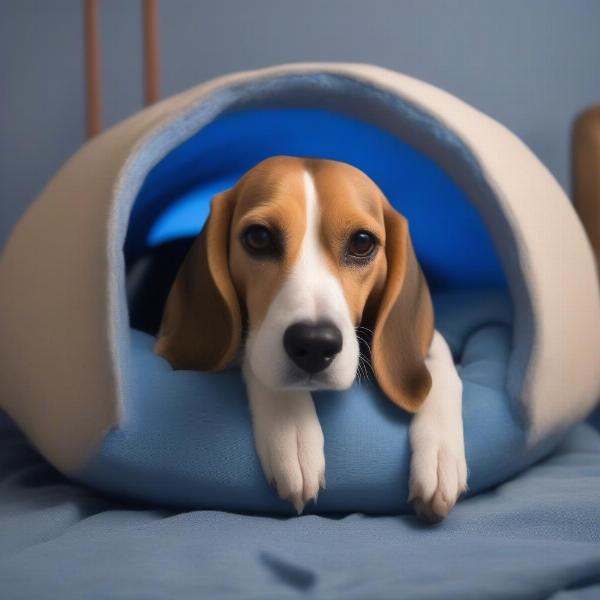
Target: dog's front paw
{"x": 293, "y": 459}
{"x": 438, "y": 475}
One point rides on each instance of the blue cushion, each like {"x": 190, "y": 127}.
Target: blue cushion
{"x": 186, "y": 438}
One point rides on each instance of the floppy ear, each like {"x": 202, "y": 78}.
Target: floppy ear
{"x": 201, "y": 326}
{"x": 404, "y": 324}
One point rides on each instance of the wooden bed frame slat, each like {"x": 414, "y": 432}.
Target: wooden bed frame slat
{"x": 151, "y": 51}
{"x": 92, "y": 68}
{"x": 585, "y": 173}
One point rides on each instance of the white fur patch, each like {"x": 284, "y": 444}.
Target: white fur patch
{"x": 288, "y": 439}
{"x": 438, "y": 470}
{"x": 287, "y": 433}
{"x": 312, "y": 294}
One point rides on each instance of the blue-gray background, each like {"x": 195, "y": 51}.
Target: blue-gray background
{"x": 531, "y": 64}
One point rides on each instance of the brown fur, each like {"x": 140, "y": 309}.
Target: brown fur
{"x": 404, "y": 322}
{"x": 203, "y": 319}
{"x": 349, "y": 201}
{"x": 271, "y": 194}
{"x": 201, "y": 326}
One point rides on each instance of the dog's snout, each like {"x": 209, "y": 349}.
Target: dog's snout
{"x": 312, "y": 346}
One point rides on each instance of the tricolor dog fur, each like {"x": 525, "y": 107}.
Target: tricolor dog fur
{"x": 296, "y": 263}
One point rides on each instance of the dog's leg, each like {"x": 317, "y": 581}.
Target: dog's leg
{"x": 438, "y": 471}
{"x": 289, "y": 440}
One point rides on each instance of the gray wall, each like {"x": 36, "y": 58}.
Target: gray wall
{"x": 531, "y": 64}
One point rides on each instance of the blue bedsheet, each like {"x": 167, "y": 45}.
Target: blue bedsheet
{"x": 532, "y": 537}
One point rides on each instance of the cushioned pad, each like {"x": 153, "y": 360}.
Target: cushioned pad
{"x": 186, "y": 437}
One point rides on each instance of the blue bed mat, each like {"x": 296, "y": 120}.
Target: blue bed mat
{"x": 186, "y": 440}
{"x": 531, "y": 537}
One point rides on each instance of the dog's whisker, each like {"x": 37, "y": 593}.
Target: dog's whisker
{"x": 368, "y": 347}
{"x": 367, "y": 369}
{"x": 365, "y": 342}
{"x": 367, "y": 363}
{"x": 361, "y": 338}
{"x": 365, "y": 329}
{"x": 364, "y": 367}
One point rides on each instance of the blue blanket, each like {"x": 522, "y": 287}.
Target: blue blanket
{"x": 532, "y": 537}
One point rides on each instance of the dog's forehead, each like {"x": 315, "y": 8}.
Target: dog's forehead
{"x": 342, "y": 187}
{"x": 273, "y": 183}
{"x": 278, "y": 184}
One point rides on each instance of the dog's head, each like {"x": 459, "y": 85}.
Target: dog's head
{"x": 300, "y": 254}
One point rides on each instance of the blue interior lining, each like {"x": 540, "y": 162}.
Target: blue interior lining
{"x": 450, "y": 238}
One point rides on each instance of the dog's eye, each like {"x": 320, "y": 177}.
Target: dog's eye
{"x": 259, "y": 240}
{"x": 361, "y": 244}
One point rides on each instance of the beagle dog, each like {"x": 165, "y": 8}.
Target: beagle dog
{"x": 297, "y": 263}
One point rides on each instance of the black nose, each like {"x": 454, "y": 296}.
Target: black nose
{"x": 312, "y": 347}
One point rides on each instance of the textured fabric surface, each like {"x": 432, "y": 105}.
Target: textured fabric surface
{"x": 532, "y": 537}
{"x": 186, "y": 437}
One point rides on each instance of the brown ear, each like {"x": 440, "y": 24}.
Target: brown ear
{"x": 404, "y": 324}
{"x": 201, "y": 326}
